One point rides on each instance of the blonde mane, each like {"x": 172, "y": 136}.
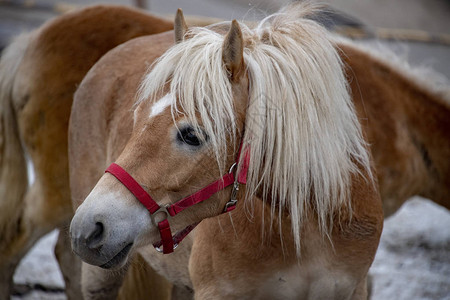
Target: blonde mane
{"x": 304, "y": 137}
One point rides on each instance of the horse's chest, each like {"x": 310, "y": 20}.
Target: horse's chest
{"x": 174, "y": 267}
{"x": 306, "y": 282}
{"x": 297, "y": 282}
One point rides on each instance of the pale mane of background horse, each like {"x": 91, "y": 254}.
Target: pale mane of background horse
{"x": 301, "y": 146}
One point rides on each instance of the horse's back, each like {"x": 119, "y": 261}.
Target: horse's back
{"x": 407, "y": 127}
{"x": 59, "y": 54}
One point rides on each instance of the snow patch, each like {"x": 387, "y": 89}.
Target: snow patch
{"x": 413, "y": 259}
{"x": 39, "y": 265}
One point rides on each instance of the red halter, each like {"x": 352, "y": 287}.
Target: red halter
{"x": 168, "y": 242}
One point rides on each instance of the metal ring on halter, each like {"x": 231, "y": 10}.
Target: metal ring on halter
{"x": 232, "y": 167}
{"x": 233, "y": 198}
{"x": 160, "y": 249}
{"x": 162, "y": 209}
{"x": 229, "y": 204}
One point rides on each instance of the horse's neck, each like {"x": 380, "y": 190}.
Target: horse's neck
{"x": 408, "y": 128}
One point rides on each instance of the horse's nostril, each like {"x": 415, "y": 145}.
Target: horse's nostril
{"x": 96, "y": 236}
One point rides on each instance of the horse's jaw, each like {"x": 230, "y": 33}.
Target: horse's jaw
{"x": 108, "y": 224}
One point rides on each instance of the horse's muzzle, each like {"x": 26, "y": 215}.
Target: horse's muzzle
{"x": 107, "y": 225}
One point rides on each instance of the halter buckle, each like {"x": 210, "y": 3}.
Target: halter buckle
{"x": 234, "y": 191}
{"x": 233, "y": 166}
{"x": 233, "y": 199}
{"x": 161, "y": 209}
{"x": 230, "y": 205}
{"x": 160, "y": 248}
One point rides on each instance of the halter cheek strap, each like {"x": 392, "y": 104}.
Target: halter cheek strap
{"x": 169, "y": 242}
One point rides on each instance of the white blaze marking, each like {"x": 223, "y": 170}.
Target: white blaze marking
{"x": 161, "y": 105}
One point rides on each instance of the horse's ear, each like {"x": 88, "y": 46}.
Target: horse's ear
{"x": 180, "y": 26}
{"x": 233, "y": 51}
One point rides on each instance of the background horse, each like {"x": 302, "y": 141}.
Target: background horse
{"x": 39, "y": 73}
{"x": 401, "y": 140}
{"x": 309, "y": 218}
{"x": 406, "y": 119}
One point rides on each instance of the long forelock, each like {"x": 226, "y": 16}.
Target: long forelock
{"x": 199, "y": 81}
{"x": 303, "y": 135}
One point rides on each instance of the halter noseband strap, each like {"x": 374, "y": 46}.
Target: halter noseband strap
{"x": 168, "y": 242}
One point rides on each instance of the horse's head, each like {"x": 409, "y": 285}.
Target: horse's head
{"x": 283, "y": 79}
{"x": 185, "y": 137}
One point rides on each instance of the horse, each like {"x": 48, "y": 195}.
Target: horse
{"x": 408, "y": 161}
{"x": 251, "y": 133}
{"x": 39, "y": 73}
{"x": 406, "y": 118}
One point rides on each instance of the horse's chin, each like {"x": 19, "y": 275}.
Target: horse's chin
{"x": 111, "y": 259}
{"x": 119, "y": 260}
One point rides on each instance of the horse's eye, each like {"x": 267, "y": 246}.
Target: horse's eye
{"x": 190, "y": 137}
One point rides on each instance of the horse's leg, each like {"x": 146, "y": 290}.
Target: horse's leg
{"x": 48, "y": 204}
{"x": 26, "y": 214}
{"x": 142, "y": 282}
{"x": 29, "y": 230}
{"x": 15, "y": 242}
{"x": 69, "y": 264}
{"x": 13, "y": 172}
{"x": 361, "y": 292}
{"x": 369, "y": 286}
{"x": 6, "y": 273}
{"x": 98, "y": 283}
{"x": 182, "y": 293}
